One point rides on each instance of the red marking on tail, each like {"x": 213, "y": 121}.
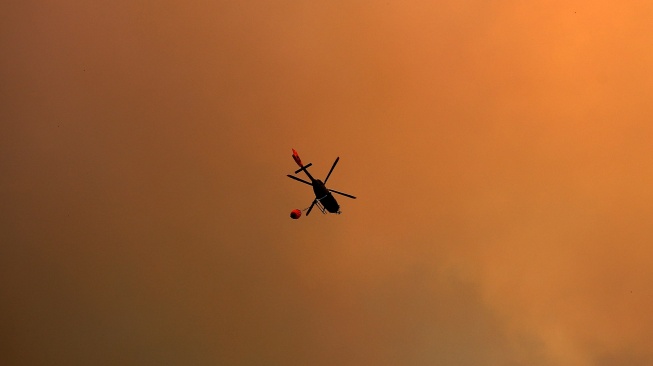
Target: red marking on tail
{"x": 295, "y": 156}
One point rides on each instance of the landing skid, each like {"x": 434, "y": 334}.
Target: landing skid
{"x": 319, "y": 205}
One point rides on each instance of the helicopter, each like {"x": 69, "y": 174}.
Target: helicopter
{"x": 324, "y": 200}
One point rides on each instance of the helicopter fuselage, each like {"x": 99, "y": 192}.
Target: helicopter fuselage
{"x": 325, "y": 197}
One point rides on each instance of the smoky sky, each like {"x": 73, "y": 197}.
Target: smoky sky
{"x": 500, "y": 152}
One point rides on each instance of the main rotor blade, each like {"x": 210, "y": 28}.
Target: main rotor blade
{"x": 310, "y": 208}
{"x": 333, "y": 166}
{"x": 299, "y": 179}
{"x": 344, "y": 194}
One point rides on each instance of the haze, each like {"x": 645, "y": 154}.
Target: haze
{"x": 501, "y": 154}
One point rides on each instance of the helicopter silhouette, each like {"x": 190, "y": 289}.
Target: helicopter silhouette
{"x": 324, "y": 200}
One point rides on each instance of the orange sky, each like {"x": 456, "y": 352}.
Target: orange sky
{"x": 501, "y": 153}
